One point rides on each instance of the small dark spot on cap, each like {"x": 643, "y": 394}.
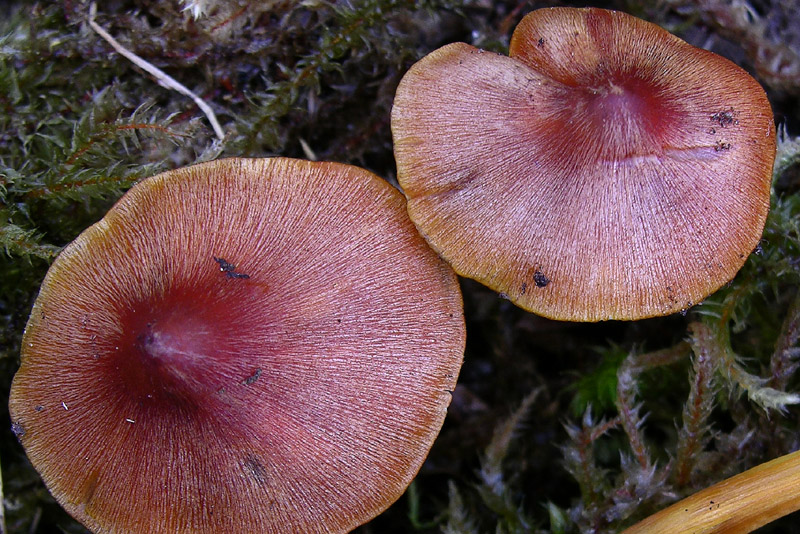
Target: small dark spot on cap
{"x": 39, "y": 408}
{"x": 540, "y": 279}
{"x": 252, "y": 378}
{"x": 721, "y": 145}
{"x": 671, "y": 295}
{"x": 253, "y": 467}
{"x": 17, "y": 429}
{"x": 523, "y": 288}
{"x": 725, "y": 118}
{"x": 229, "y": 269}
{"x": 540, "y": 42}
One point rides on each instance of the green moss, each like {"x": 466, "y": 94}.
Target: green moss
{"x": 597, "y": 390}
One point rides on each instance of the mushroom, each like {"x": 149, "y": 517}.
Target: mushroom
{"x": 240, "y": 346}
{"x": 605, "y": 170}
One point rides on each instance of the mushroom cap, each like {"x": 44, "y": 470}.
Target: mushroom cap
{"x": 240, "y": 346}
{"x": 605, "y": 170}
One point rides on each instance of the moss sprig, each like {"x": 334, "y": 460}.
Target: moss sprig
{"x": 695, "y": 431}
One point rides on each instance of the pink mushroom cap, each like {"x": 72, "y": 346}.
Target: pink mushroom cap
{"x": 605, "y": 170}
{"x": 240, "y": 346}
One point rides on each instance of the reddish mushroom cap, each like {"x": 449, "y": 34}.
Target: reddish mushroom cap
{"x": 240, "y": 346}
{"x": 606, "y": 170}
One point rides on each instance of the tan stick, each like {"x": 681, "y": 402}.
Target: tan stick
{"x": 737, "y": 505}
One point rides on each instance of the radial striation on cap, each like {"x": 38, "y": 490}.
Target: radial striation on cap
{"x": 605, "y": 170}
{"x": 240, "y": 346}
